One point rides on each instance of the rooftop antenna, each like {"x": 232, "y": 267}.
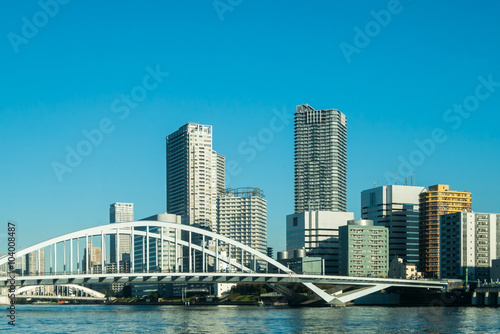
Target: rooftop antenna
{"x": 406, "y": 181}
{"x": 373, "y": 182}
{"x": 397, "y": 180}
{"x": 379, "y": 182}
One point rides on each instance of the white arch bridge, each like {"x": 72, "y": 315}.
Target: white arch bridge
{"x": 163, "y": 252}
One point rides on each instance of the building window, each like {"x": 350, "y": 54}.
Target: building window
{"x": 295, "y": 221}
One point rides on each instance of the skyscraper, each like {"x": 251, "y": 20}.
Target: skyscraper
{"x": 320, "y": 160}
{"x": 120, "y": 213}
{"x": 242, "y": 216}
{"x": 195, "y": 174}
{"x": 438, "y": 201}
{"x": 397, "y": 208}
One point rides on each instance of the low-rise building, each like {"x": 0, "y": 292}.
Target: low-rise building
{"x": 364, "y": 249}
{"x": 400, "y": 269}
{"x": 317, "y": 232}
{"x": 299, "y": 263}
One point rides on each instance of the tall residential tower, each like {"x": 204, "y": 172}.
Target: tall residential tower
{"x": 195, "y": 175}
{"x": 242, "y": 216}
{"x": 320, "y": 160}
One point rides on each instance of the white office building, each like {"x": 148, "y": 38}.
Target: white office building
{"x": 397, "y": 208}
{"x": 317, "y": 232}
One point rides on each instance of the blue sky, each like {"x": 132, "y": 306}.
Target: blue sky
{"x": 235, "y": 67}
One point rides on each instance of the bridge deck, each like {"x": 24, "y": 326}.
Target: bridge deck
{"x": 215, "y": 278}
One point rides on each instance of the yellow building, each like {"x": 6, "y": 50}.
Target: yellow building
{"x": 438, "y": 200}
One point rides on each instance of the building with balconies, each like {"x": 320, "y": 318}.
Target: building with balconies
{"x": 364, "y": 249}
{"x": 470, "y": 242}
{"x": 437, "y": 201}
{"x": 320, "y": 160}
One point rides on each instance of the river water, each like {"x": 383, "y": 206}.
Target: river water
{"x": 249, "y": 319}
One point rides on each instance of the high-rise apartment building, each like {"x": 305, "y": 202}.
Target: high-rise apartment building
{"x": 470, "y": 241}
{"x": 120, "y": 213}
{"x": 242, "y": 216}
{"x": 437, "y": 201}
{"x": 363, "y": 249}
{"x": 320, "y": 160}
{"x": 397, "y": 208}
{"x": 195, "y": 175}
{"x": 317, "y": 232}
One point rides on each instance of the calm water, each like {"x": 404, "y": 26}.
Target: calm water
{"x": 243, "y": 319}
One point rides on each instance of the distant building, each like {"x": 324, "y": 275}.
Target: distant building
{"x": 149, "y": 256}
{"x": 397, "y": 208}
{"x": 299, "y": 263}
{"x": 94, "y": 255}
{"x": 364, "y": 249}
{"x": 495, "y": 269}
{"x": 438, "y": 201}
{"x": 270, "y": 252}
{"x": 242, "y": 217}
{"x": 35, "y": 262}
{"x": 19, "y": 266}
{"x": 157, "y": 256}
{"x": 320, "y": 160}
{"x": 120, "y": 213}
{"x": 317, "y": 232}
{"x": 195, "y": 175}
{"x": 470, "y": 241}
{"x": 400, "y": 269}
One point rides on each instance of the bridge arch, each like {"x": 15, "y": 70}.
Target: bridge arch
{"x": 85, "y": 290}
{"x": 150, "y": 230}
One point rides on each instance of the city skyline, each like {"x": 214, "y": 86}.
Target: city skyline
{"x": 416, "y": 100}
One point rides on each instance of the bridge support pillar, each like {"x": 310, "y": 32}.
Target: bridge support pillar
{"x": 340, "y": 300}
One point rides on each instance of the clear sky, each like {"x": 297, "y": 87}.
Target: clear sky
{"x": 419, "y": 82}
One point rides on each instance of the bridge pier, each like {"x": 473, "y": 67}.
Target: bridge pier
{"x": 340, "y": 300}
